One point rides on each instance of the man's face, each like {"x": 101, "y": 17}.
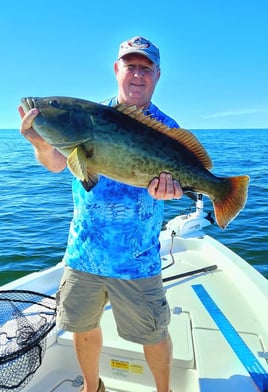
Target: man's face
{"x": 137, "y": 77}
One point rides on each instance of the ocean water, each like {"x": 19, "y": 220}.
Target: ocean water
{"x": 36, "y": 205}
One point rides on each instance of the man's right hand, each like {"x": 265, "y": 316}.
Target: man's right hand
{"x": 46, "y": 154}
{"x": 28, "y": 131}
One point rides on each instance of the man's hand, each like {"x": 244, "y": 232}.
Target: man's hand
{"x": 165, "y": 188}
{"x": 27, "y": 130}
{"x": 46, "y": 154}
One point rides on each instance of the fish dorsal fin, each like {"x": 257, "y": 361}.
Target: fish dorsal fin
{"x": 184, "y": 137}
{"x": 137, "y": 113}
{"x": 189, "y": 141}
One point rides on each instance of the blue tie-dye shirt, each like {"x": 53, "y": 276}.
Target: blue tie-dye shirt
{"x": 115, "y": 227}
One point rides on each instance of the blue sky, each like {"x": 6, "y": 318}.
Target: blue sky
{"x": 214, "y": 55}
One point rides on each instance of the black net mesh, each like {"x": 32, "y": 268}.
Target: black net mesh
{"x": 26, "y": 317}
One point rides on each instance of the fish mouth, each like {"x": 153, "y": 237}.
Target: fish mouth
{"x": 28, "y": 103}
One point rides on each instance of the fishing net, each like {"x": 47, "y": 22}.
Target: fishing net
{"x": 26, "y": 317}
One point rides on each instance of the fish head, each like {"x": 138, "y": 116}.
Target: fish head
{"x": 63, "y": 122}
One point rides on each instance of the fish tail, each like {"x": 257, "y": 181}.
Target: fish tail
{"x": 230, "y": 202}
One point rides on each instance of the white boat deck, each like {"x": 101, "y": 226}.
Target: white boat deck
{"x": 203, "y": 359}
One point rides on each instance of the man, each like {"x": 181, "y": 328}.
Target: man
{"x": 113, "y": 245}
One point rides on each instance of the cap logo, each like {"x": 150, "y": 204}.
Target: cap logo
{"x": 139, "y": 43}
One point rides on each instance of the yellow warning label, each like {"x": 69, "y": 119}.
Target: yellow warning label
{"x": 116, "y": 364}
{"x": 135, "y": 368}
{"x": 126, "y": 366}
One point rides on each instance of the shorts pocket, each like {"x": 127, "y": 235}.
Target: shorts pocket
{"x": 59, "y": 293}
{"x": 159, "y": 308}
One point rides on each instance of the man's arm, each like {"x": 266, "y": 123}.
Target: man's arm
{"x": 46, "y": 154}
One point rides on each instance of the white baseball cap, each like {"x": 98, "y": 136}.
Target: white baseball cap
{"x": 141, "y": 46}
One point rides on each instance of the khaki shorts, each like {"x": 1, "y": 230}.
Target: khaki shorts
{"x": 139, "y": 306}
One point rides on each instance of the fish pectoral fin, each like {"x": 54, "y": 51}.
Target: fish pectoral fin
{"x": 77, "y": 163}
{"x": 90, "y": 183}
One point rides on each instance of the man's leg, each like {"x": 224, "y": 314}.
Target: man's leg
{"x": 88, "y": 347}
{"x": 159, "y": 359}
{"x": 142, "y": 316}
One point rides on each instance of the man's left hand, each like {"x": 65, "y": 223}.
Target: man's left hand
{"x": 165, "y": 187}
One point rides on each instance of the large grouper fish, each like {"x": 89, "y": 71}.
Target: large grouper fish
{"x": 123, "y": 144}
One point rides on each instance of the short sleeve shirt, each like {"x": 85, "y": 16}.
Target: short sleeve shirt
{"x": 115, "y": 227}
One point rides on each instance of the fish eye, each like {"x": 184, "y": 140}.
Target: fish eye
{"x": 53, "y": 102}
